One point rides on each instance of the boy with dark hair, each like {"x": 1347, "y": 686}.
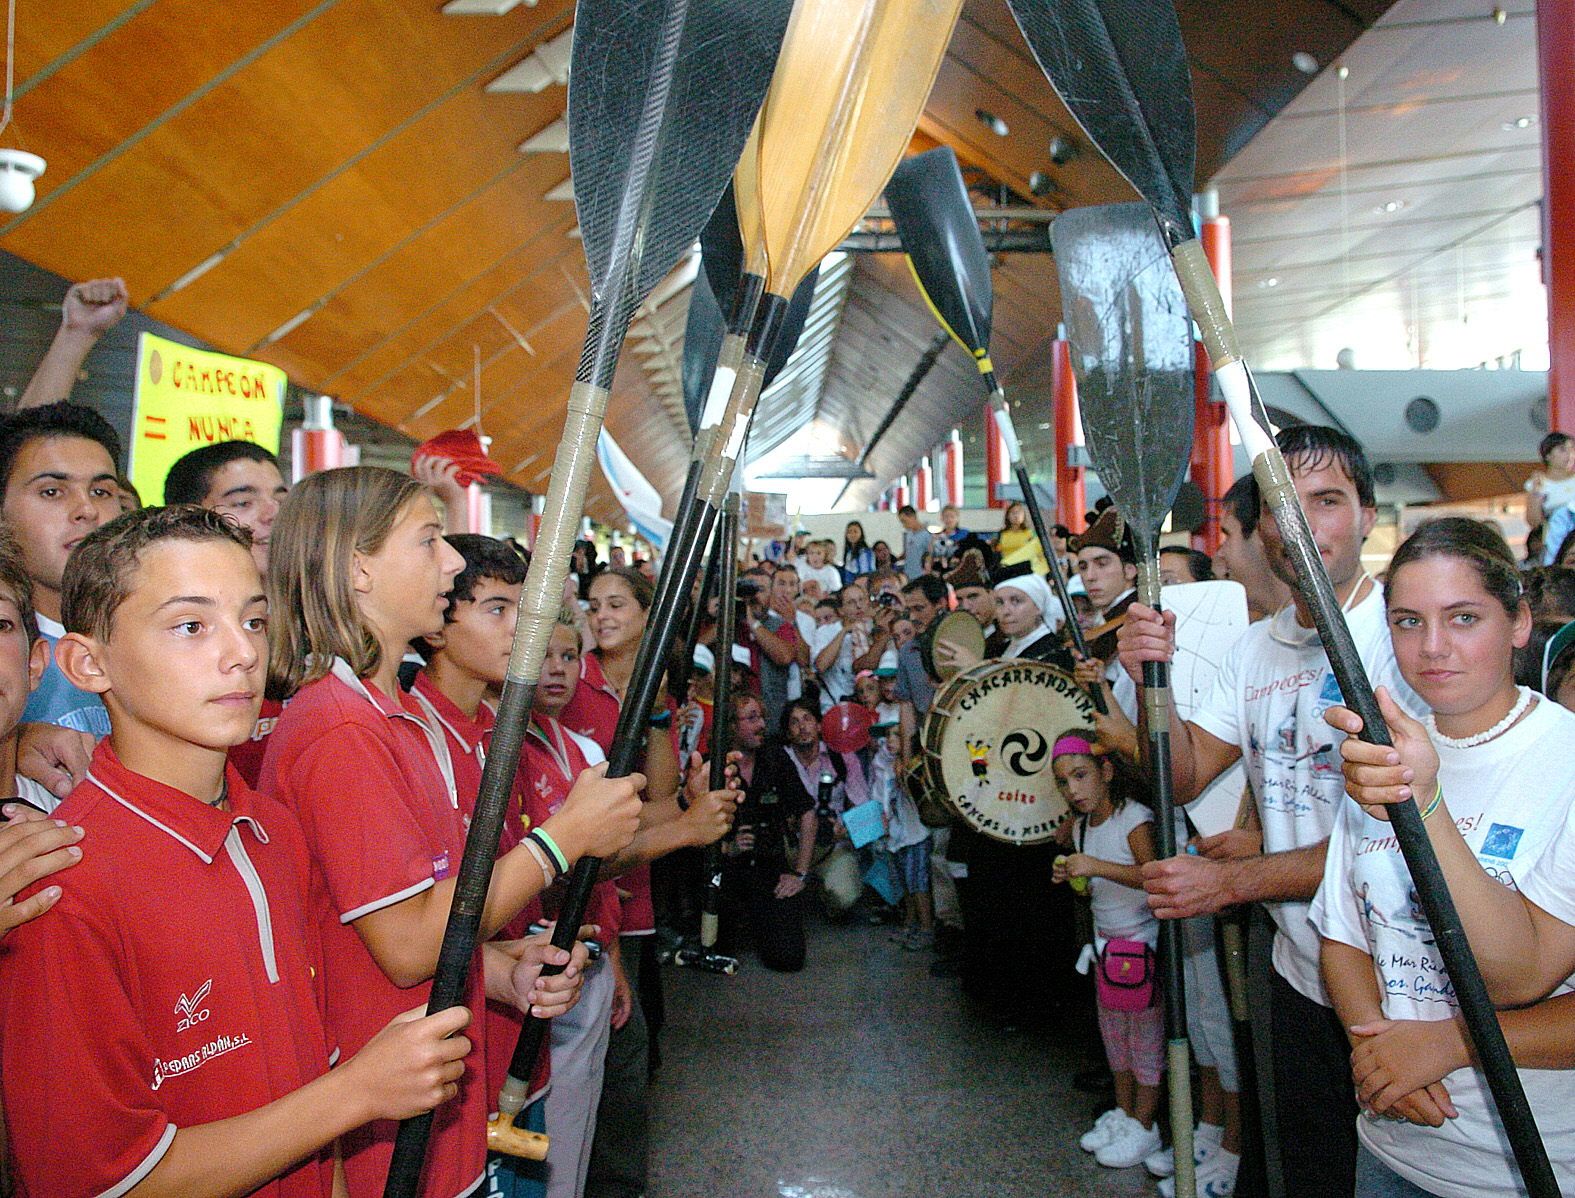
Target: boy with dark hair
{"x": 236, "y": 479}
{"x": 184, "y": 954}
{"x": 1241, "y": 556}
{"x": 57, "y": 484}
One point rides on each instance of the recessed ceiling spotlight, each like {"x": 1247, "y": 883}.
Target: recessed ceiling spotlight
{"x": 1388, "y": 207}
{"x": 1304, "y": 62}
{"x": 1520, "y": 122}
{"x": 1271, "y": 281}
{"x": 992, "y": 122}
{"x": 1041, "y": 184}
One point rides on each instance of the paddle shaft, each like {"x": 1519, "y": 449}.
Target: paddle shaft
{"x": 1317, "y": 592}
{"x": 1014, "y": 451}
{"x": 725, "y": 554}
{"x": 1178, "y": 1055}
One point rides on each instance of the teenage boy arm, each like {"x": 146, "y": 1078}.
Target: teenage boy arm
{"x": 666, "y": 826}
{"x": 89, "y": 311}
{"x": 513, "y": 973}
{"x": 84, "y": 1110}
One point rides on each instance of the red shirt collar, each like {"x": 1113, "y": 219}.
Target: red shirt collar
{"x": 197, "y": 825}
{"x": 471, "y": 732}
{"x": 592, "y": 675}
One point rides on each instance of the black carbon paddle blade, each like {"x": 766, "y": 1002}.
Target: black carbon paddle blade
{"x": 662, "y": 95}
{"x": 792, "y": 327}
{"x": 1121, "y": 69}
{"x": 722, "y": 251}
{"x": 704, "y": 329}
{"x": 1132, "y": 353}
{"x": 935, "y": 220}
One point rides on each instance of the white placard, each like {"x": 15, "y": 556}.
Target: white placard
{"x": 1210, "y": 617}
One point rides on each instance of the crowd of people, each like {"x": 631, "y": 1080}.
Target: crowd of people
{"x": 246, "y": 730}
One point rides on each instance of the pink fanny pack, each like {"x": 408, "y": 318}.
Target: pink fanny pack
{"x": 1124, "y": 980}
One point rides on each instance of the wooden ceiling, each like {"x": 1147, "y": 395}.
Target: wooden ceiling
{"x": 338, "y": 169}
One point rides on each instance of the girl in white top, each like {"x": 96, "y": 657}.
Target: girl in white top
{"x": 816, "y": 565}
{"x": 1114, "y": 839}
{"x": 1501, "y": 754}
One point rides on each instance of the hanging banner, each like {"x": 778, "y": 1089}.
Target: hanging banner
{"x": 186, "y": 398}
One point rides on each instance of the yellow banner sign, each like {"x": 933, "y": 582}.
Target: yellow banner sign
{"x": 187, "y": 398}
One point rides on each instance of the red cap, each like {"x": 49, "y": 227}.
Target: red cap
{"x": 462, "y": 447}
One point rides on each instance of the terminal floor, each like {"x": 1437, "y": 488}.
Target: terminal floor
{"x": 863, "y": 1077}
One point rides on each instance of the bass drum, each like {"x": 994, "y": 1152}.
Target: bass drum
{"x": 986, "y": 741}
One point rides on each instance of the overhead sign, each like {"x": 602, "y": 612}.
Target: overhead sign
{"x": 186, "y": 398}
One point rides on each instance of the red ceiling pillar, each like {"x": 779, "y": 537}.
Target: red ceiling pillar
{"x": 952, "y": 467}
{"x": 921, "y": 485}
{"x": 1071, "y": 499}
{"x": 995, "y": 463}
{"x": 1555, "y": 53}
{"x": 1212, "y": 459}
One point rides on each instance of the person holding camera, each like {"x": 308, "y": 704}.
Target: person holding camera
{"x": 771, "y": 636}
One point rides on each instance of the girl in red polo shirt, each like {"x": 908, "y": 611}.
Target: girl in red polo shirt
{"x": 359, "y": 568}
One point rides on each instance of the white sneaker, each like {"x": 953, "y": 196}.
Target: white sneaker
{"x": 1129, "y": 1146}
{"x": 1205, "y": 1140}
{"x": 1215, "y": 1177}
{"x": 1104, "y": 1127}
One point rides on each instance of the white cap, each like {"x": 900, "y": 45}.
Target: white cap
{"x": 742, "y": 657}
{"x": 704, "y": 659}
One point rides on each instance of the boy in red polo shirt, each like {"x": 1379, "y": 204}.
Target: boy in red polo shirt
{"x": 162, "y": 1028}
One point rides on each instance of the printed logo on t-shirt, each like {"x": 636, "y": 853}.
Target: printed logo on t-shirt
{"x": 1331, "y": 691}
{"x": 191, "y": 1011}
{"x": 1501, "y": 841}
{"x": 440, "y": 869}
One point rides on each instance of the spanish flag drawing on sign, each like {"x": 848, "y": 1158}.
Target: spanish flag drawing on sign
{"x": 187, "y": 398}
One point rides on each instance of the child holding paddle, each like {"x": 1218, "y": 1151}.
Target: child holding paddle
{"x": 184, "y": 953}
{"x": 359, "y": 568}
{"x": 1114, "y": 838}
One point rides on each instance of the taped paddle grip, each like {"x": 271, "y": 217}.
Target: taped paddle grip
{"x": 1207, "y": 304}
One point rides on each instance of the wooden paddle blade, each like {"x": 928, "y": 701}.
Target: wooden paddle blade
{"x": 1132, "y": 353}
{"x": 853, "y": 78}
{"x": 935, "y": 219}
{"x": 653, "y": 137}
{"x": 1120, "y": 68}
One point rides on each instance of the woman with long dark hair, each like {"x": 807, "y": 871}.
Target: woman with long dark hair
{"x": 857, "y": 556}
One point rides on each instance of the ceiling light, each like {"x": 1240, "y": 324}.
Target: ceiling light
{"x": 1041, "y": 184}
{"x": 1388, "y": 207}
{"x": 992, "y": 122}
{"x": 1520, "y": 122}
{"x": 18, "y": 169}
{"x": 1304, "y": 62}
{"x": 1272, "y": 281}
{"x": 1062, "y": 150}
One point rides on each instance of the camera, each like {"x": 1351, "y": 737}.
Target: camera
{"x": 746, "y": 589}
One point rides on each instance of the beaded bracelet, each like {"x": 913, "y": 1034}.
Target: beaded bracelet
{"x": 1438, "y": 797}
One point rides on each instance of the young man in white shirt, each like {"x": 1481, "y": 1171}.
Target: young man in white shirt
{"x": 1267, "y": 709}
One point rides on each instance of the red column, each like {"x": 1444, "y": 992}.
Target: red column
{"x": 1212, "y": 459}
{"x": 995, "y": 463}
{"x": 953, "y": 460}
{"x": 1555, "y": 53}
{"x": 900, "y": 498}
{"x": 922, "y": 488}
{"x": 1071, "y": 501}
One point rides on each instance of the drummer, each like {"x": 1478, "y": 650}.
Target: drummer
{"x": 970, "y": 582}
{"x": 1029, "y": 615}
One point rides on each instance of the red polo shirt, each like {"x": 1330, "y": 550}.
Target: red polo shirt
{"x": 173, "y": 984}
{"x": 248, "y": 755}
{"x": 373, "y": 785}
{"x": 467, "y": 739}
{"x": 593, "y": 712}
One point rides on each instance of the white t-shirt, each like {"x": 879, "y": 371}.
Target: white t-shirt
{"x": 1509, "y": 798}
{"x": 1119, "y": 911}
{"x": 1268, "y": 699}
{"x": 829, "y": 577}
{"x": 805, "y": 623}
{"x": 1555, "y": 494}
{"x": 837, "y": 682}
{"x": 36, "y": 794}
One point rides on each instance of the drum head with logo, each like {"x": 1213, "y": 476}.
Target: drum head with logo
{"x": 988, "y": 737}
